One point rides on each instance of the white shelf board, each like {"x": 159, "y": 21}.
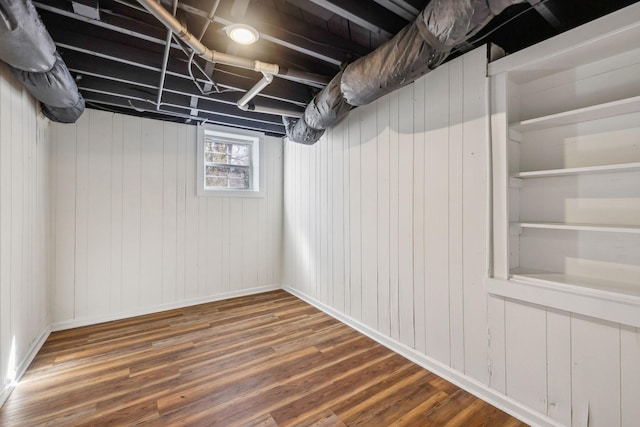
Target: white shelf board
{"x": 601, "y": 299}
{"x": 621, "y": 167}
{"x": 618, "y": 291}
{"x": 592, "y": 112}
{"x": 607, "y": 228}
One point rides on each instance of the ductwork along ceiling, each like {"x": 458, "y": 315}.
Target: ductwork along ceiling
{"x": 313, "y": 62}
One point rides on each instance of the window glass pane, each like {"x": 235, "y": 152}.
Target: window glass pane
{"x": 220, "y": 158}
{"x": 238, "y": 183}
{"x": 228, "y": 165}
{"x": 213, "y": 181}
{"x": 217, "y": 171}
{"x": 238, "y": 173}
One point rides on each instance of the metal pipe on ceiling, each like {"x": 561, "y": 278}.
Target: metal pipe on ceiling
{"x": 255, "y": 90}
{"x": 273, "y": 110}
{"x": 204, "y": 52}
{"x": 165, "y": 58}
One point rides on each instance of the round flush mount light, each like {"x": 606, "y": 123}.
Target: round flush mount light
{"x": 243, "y": 34}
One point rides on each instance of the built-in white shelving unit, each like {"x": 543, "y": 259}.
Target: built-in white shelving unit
{"x": 581, "y": 227}
{"x": 592, "y": 112}
{"x": 566, "y": 172}
{"x": 622, "y": 167}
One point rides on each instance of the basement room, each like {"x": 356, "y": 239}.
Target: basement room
{"x": 270, "y": 213}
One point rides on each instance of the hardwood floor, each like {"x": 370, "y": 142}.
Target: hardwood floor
{"x": 263, "y": 360}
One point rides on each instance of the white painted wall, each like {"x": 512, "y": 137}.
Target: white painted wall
{"x": 24, "y": 229}
{"x": 130, "y": 234}
{"x": 385, "y": 225}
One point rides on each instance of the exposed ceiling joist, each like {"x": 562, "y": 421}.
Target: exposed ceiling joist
{"x": 121, "y": 73}
{"x": 370, "y": 16}
{"x": 400, "y": 8}
{"x": 155, "y": 35}
{"x": 106, "y": 100}
{"x": 291, "y": 34}
{"x": 147, "y": 96}
{"x": 280, "y": 89}
{"x": 544, "y": 11}
{"x": 114, "y": 23}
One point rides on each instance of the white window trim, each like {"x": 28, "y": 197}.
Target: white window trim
{"x": 241, "y": 135}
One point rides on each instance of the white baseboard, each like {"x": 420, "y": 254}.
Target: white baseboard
{"x": 24, "y": 364}
{"x": 475, "y": 387}
{"x": 76, "y": 323}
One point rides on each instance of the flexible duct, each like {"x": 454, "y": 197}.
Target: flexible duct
{"x": 417, "y": 49}
{"x": 31, "y": 54}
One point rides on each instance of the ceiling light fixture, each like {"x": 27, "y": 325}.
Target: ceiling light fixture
{"x": 243, "y": 34}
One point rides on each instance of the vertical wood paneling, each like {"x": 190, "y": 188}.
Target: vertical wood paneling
{"x": 99, "y": 213}
{"x": 65, "y": 224}
{"x": 630, "y": 375}
{"x": 264, "y": 230}
{"x": 405, "y": 217}
{"x": 383, "y": 206}
{"x": 169, "y": 212}
{"x": 249, "y": 266}
{"x": 235, "y": 244}
{"x": 131, "y": 234}
{"x": 474, "y": 219}
{"x": 595, "y": 373}
{"x": 191, "y": 214}
{"x": 436, "y": 215}
{"x": 80, "y": 284}
{"x": 559, "y": 366}
{"x": 497, "y": 343}
{"x": 456, "y": 273}
{"x": 276, "y": 200}
{"x": 369, "y": 205}
{"x": 213, "y": 249}
{"x": 5, "y": 224}
{"x": 347, "y": 215}
{"x": 181, "y": 212}
{"x": 151, "y": 214}
{"x": 418, "y": 215}
{"x": 312, "y": 223}
{"x": 355, "y": 218}
{"x": 303, "y": 211}
{"x": 116, "y": 213}
{"x": 394, "y": 211}
{"x": 18, "y": 214}
{"x": 329, "y": 218}
{"x": 131, "y": 218}
{"x": 526, "y": 356}
{"x": 338, "y": 230}
{"x": 25, "y": 244}
{"x": 322, "y": 220}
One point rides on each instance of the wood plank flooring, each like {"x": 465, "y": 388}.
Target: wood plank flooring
{"x": 264, "y": 360}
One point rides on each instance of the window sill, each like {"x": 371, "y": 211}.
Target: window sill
{"x": 230, "y": 193}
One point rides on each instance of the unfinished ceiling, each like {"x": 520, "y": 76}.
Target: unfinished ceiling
{"x": 116, "y": 49}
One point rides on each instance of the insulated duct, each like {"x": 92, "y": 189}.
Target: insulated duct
{"x": 31, "y": 54}
{"x": 417, "y": 49}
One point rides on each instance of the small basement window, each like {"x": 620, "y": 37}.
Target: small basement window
{"x": 228, "y": 162}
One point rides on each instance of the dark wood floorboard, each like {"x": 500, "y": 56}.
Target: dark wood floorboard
{"x": 263, "y": 360}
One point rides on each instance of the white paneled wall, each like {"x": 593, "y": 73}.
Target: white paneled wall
{"x": 130, "y": 234}
{"x": 385, "y": 222}
{"x": 385, "y": 217}
{"x": 24, "y": 229}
